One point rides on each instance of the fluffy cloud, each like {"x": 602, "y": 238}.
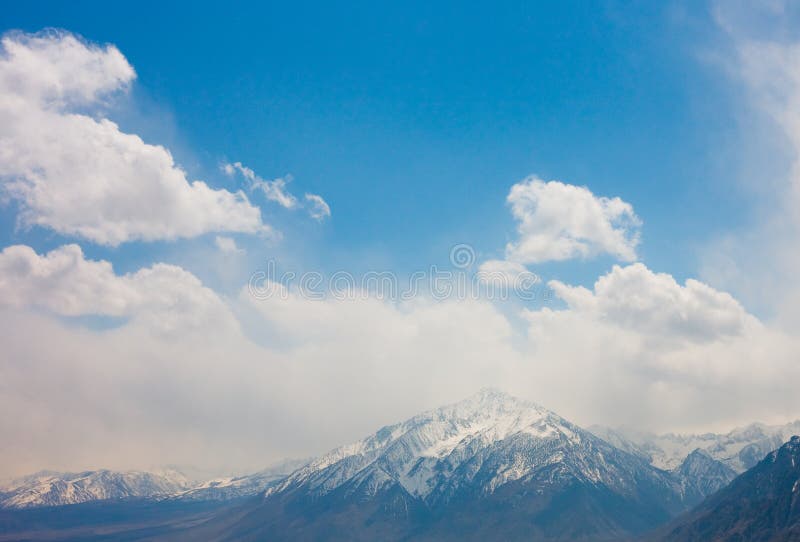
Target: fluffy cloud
{"x": 643, "y": 350}
{"x": 275, "y": 190}
{"x": 80, "y": 175}
{"x": 558, "y": 221}
{"x": 635, "y": 298}
{"x": 163, "y": 298}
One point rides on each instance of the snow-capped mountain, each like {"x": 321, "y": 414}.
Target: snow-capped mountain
{"x": 53, "y": 488}
{"x": 739, "y": 449}
{"x": 481, "y": 443}
{"x": 234, "y": 487}
{"x": 761, "y": 504}
{"x": 439, "y": 473}
{"x": 58, "y": 488}
{"x": 702, "y": 474}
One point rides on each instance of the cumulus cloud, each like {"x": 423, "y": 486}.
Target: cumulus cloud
{"x": 276, "y": 190}
{"x": 643, "y": 350}
{"x": 558, "y": 221}
{"x": 163, "y": 298}
{"x": 80, "y": 175}
{"x": 636, "y": 298}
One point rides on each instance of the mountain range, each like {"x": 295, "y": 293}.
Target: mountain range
{"x": 489, "y": 467}
{"x": 739, "y": 449}
{"x": 763, "y": 504}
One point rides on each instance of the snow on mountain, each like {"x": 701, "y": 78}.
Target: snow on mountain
{"x": 761, "y": 504}
{"x": 476, "y": 445}
{"x": 489, "y": 467}
{"x": 52, "y": 488}
{"x": 739, "y": 449}
{"x": 49, "y": 488}
{"x": 233, "y": 487}
{"x": 702, "y": 474}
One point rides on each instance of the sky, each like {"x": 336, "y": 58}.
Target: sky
{"x": 632, "y": 166}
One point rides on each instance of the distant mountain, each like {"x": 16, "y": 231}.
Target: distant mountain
{"x": 763, "y": 504}
{"x": 58, "y": 488}
{"x": 55, "y": 489}
{"x": 701, "y": 474}
{"x": 489, "y": 467}
{"x": 229, "y": 488}
{"x": 739, "y": 449}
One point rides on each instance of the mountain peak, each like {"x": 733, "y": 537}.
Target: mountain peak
{"x": 490, "y": 402}
{"x": 481, "y": 443}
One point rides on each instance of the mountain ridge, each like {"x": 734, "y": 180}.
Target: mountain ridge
{"x": 763, "y": 504}
{"x": 433, "y": 474}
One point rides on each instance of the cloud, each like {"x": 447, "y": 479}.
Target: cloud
{"x": 558, "y": 221}
{"x": 79, "y": 175}
{"x": 163, "y": 298}
{"x": 319, "y": 209}
{"x": 275, "y": 190}
{"x": 314, "y": 373}
{"x": 641, "y": 349}
{"x": 760, "y": 262}
{"x": 506, "y": 277}
{"x": 304, "y": 374}
{"x": 227, "y": 245}
{"x": 636, "y": 298}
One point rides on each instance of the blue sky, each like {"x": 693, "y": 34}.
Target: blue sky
{"x": 130, "y": 337}
{"x": 414, "y": 121}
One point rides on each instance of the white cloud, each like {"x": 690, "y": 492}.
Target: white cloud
{"x": 635, "y": 298}
{"x": 163, "y": 298}
{"x": 275, "y": 190}
{"x": 80, "y": 175}
{"x": 227, "y": 245}
{"x": 641, "y": 349}
{"x": 760, "y": 262}
{"x": 313, "y": 373}
{"x": 319, "y": 208}
{"x": 512, "y": 276}
{"x": 558, "y": 221}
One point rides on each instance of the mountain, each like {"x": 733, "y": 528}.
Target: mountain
{"x": 763, "y": 504}
{"x": 235, "y": 487}
{"x": 54, "y": 489}
{"x": 489, "y": 467}
{"x": 48, "y": 488}
{"x": 702, "y": 474}
{"x": 740, "y": 449}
